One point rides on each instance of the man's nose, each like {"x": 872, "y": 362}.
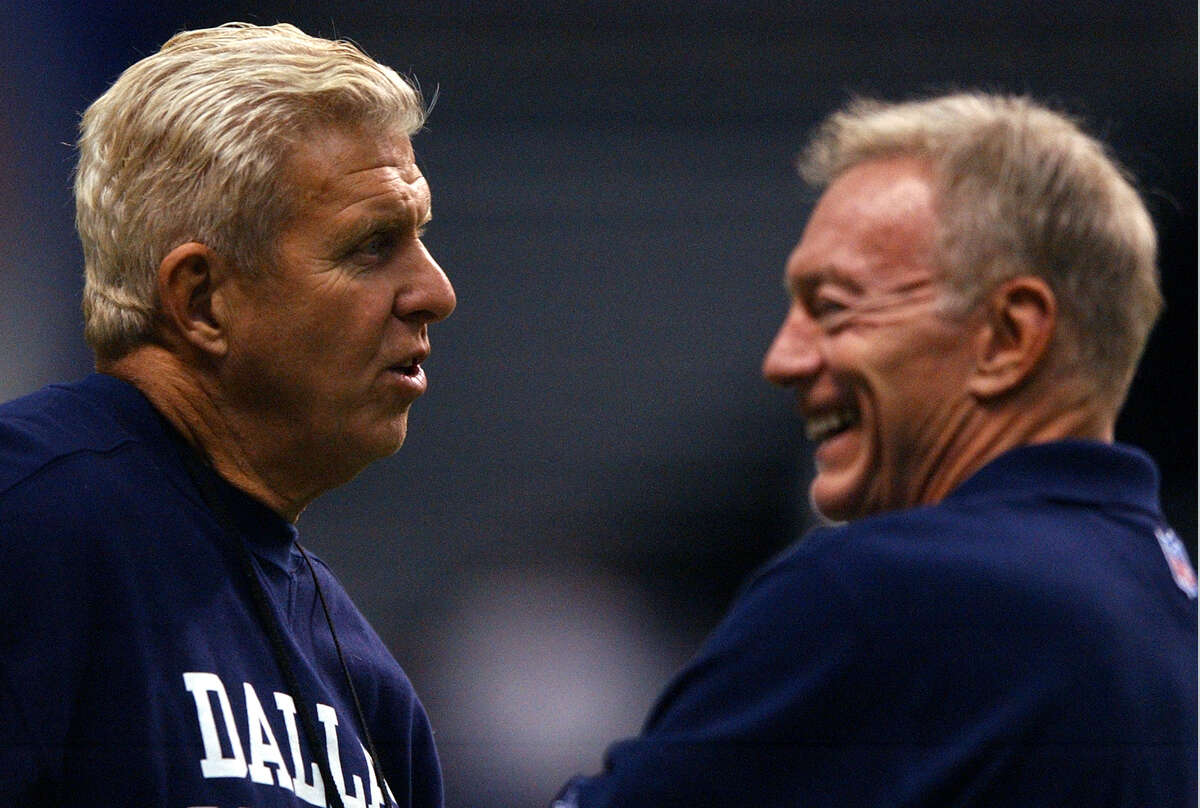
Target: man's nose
{"x": 794, "y": 354}
{"x": 430, "y": 297}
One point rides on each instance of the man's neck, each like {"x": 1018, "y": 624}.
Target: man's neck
{"x": 988, "y": 432}
{"x": 192, "y": 402}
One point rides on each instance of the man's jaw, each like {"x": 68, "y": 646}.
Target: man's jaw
{"x": 840, "y": 450}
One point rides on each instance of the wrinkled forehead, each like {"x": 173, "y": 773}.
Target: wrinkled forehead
{"x": 321, "y": 156}
{"x": 878, "y": 215}
{"x": 342, "y": 169}
{"x": 880, "y": 200}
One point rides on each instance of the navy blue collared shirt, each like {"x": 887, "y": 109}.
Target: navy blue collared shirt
{"x": 134, "y": 668}
{"x": 1029, "y": 641}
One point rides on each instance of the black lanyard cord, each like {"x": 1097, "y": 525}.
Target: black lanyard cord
{"x": 200, "y": 474}
{"x": 346, "y": 671}
{"x": 270, "y": 622}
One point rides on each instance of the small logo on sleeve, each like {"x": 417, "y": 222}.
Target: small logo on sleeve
{"x": 1177, "y": 560}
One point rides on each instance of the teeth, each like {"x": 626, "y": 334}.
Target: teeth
{"x": 820, "y": 427}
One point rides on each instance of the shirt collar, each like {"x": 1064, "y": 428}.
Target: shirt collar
{"x": 1071, "y": 470}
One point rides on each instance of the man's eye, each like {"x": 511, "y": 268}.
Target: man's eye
{"x": 378, "y": 246}
{"x": 821, "y": 306}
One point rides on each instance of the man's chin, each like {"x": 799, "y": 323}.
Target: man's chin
{"x": 385, "y": 442}
{"x": 834, "y": 504}
{"x": 396, "y": 439}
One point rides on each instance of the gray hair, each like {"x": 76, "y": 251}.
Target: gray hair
{"x": 189, "y": 144}
{"x": 1021, "y": 190}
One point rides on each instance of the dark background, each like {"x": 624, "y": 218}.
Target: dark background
{"x": 598, "y": 464}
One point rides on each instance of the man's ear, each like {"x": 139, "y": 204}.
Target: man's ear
{"x": 1019, "y": 321}
{"x": 190, "y": 287}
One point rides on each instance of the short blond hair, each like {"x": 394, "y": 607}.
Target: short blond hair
{"x": 1021, "y": 189}
{"x": 190, "y": 143}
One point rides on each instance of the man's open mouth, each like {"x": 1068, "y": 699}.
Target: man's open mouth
{"x": 820, "y": 427}
{"x": 408, "y": 370}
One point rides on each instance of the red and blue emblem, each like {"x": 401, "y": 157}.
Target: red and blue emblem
{"x": 1177, "y": 560}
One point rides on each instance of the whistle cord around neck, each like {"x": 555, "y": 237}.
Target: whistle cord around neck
{"x": 362, "y": 721}
{"x": 201, "y": 473}
{"x": 270, "y": 622}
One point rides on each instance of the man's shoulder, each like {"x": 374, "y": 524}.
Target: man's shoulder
{"x": 56, "y": 422}
{"x": 71, "y": 463}
{"x": 1041, "y": 503}
{"x": 895, "y": 541}
{"x": 1000, "y": 551}
{"x": 955, "y": 554}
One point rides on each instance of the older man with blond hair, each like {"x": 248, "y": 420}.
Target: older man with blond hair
{"x": 258, "y": 300}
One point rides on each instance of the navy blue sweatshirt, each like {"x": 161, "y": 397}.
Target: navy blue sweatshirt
{"x": 1029, "y": 641}
{"x": 134, "y": 667}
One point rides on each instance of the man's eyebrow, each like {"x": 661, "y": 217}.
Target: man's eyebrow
{"x": 396, "y": 222}
{"x": 807, "y": 282}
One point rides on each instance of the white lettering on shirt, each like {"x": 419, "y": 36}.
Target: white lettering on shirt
{"x": 311, "y": 792}
{"x": 215, "y": 763}
{"x": 263, "y": 749}
{"x": 225, "y": 756}
{"x": 328, "y": 717}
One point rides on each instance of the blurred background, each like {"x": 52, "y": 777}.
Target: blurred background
{"x": 598, "y": 464}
